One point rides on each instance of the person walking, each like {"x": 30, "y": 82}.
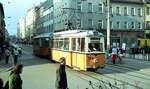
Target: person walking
{"x": 61, "y": 77}
{"x": 7, "y": 54}
{"x": 15, "y": 53}
{"x": 1, "y": 83}
{"x": 0, "y": 53}
{"x": 114, "y": 55}
{"x": 15, "y": 81}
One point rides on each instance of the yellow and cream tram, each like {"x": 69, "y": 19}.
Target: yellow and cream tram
{"x": 82, "y": 49}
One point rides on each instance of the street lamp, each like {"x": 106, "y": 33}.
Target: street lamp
{"x": 108, "y": 24}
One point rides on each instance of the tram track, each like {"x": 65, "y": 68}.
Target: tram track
{"x": 92, "y": 75}
{"x": 128, "y": 68}
{"x": 131, "y": 76}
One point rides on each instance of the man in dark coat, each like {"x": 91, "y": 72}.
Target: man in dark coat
{"x": 61, "y": 77}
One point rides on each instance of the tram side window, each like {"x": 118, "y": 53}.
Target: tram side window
{"x": 81, "y": 44}
{"x": 66, "y": 44}
{"x": 73, "y": 44}
{"x": 45, "y": 42}
{"x": 56, "y": 41}
{"x": 61, "y": 46}
{"x": 36, "y": 42}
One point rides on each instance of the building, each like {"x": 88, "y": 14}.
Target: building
{"x": 126, "y": 21}
{"x": 30, "y": 23}
{"x": 126, "y": 18}
{"x": 21, "y": 28}
{"x": 2, "y": 25}
{"x": 79, "y": 14}
{"x": 44, "y": 17}
{"x": 147, "y": 18}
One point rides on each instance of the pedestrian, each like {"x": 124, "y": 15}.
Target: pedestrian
{"x": 61, "y": 77}
{"x": 7, "y": 54}
{"x": 15, "y": 81}
{"x": 1, "y": 84}
{"x": 114, "y": 55}
{"x": 19, "y": 51}
{"x": 120, "y": 54}
{"x": 15, "y": 53}
{"x": 0, "y": 53}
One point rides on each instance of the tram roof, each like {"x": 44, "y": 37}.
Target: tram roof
{"x": 78, "y": 33}
{"x": 44, "y": 35}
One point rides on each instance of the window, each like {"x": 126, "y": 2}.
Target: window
{"x": 125, "y": 25}
{"x": 118, "y": 25}
{"x": 100, "y": 8}
{"x": 78, "y": 23}
{"x": 111, "y": 10}
{"x": 100, "y": 24}
{"x": 66, "y": 44}
{"x": 61, "y": 45}
{"x": 133, "y": 25}
{"x": 125, "y": 11}
{"x": 73, "y": 44}
{"x": 82, "y": 44}
{"x": 90, "y": 23}
{"x": 79, "y": 6}
{"x": 139, "y": 12}
{"x": 89, "y": 7}
{"x": 96, "y": 46}
{"x": 148, "y": 10}
{"x": 111, "y": 24}
{"x": 132, "y": 11}
{"x": 78, "y": 44}
{"x": 140, "y": 25}
{"x": 118, "y": 11}
{"x": 147, "y": 25}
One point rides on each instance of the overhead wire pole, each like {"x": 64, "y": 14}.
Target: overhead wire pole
{"x": 108, "y": 24}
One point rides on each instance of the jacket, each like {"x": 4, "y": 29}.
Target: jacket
{"x": 61, "y": 78}
{"x": 15, "y": 81}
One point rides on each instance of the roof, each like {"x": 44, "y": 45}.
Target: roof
{"x": 48, "y": 35}
{"x": 129, "y": 1}
{"x": 78, "y": 33}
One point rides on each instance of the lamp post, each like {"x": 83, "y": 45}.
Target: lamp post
{"x": 108, "y": 24}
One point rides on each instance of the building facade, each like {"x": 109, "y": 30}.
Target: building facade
{"x": 44, "y": 17}
{"x": 126, "y": 18}
{"x": 126, "y": 21}
{"x": 147, "y": 18}
{"x": 2, "y": 25}
{"x": 21, "y": 28}
{"x": 79, "y": 14}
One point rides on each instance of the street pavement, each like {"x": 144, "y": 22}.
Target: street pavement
{"x": 39, "y": 73}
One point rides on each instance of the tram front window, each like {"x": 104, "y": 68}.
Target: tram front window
{"x": 95, "y": 47}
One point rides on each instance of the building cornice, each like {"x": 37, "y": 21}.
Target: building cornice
{"x": 128, "y": 1}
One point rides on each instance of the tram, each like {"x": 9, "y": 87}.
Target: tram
{"x": 142, "y": 42}
{"x": 83, "y": 49}
{"x": 42, "y": 44}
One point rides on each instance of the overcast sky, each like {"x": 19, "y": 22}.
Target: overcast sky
{"x": 14, "y": 9}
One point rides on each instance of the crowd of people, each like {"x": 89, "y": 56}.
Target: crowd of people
{"x": 116, "y": 53}
{"x": 7, "y": 52}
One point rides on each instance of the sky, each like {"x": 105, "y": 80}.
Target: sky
{"x": 14, "y": 9}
